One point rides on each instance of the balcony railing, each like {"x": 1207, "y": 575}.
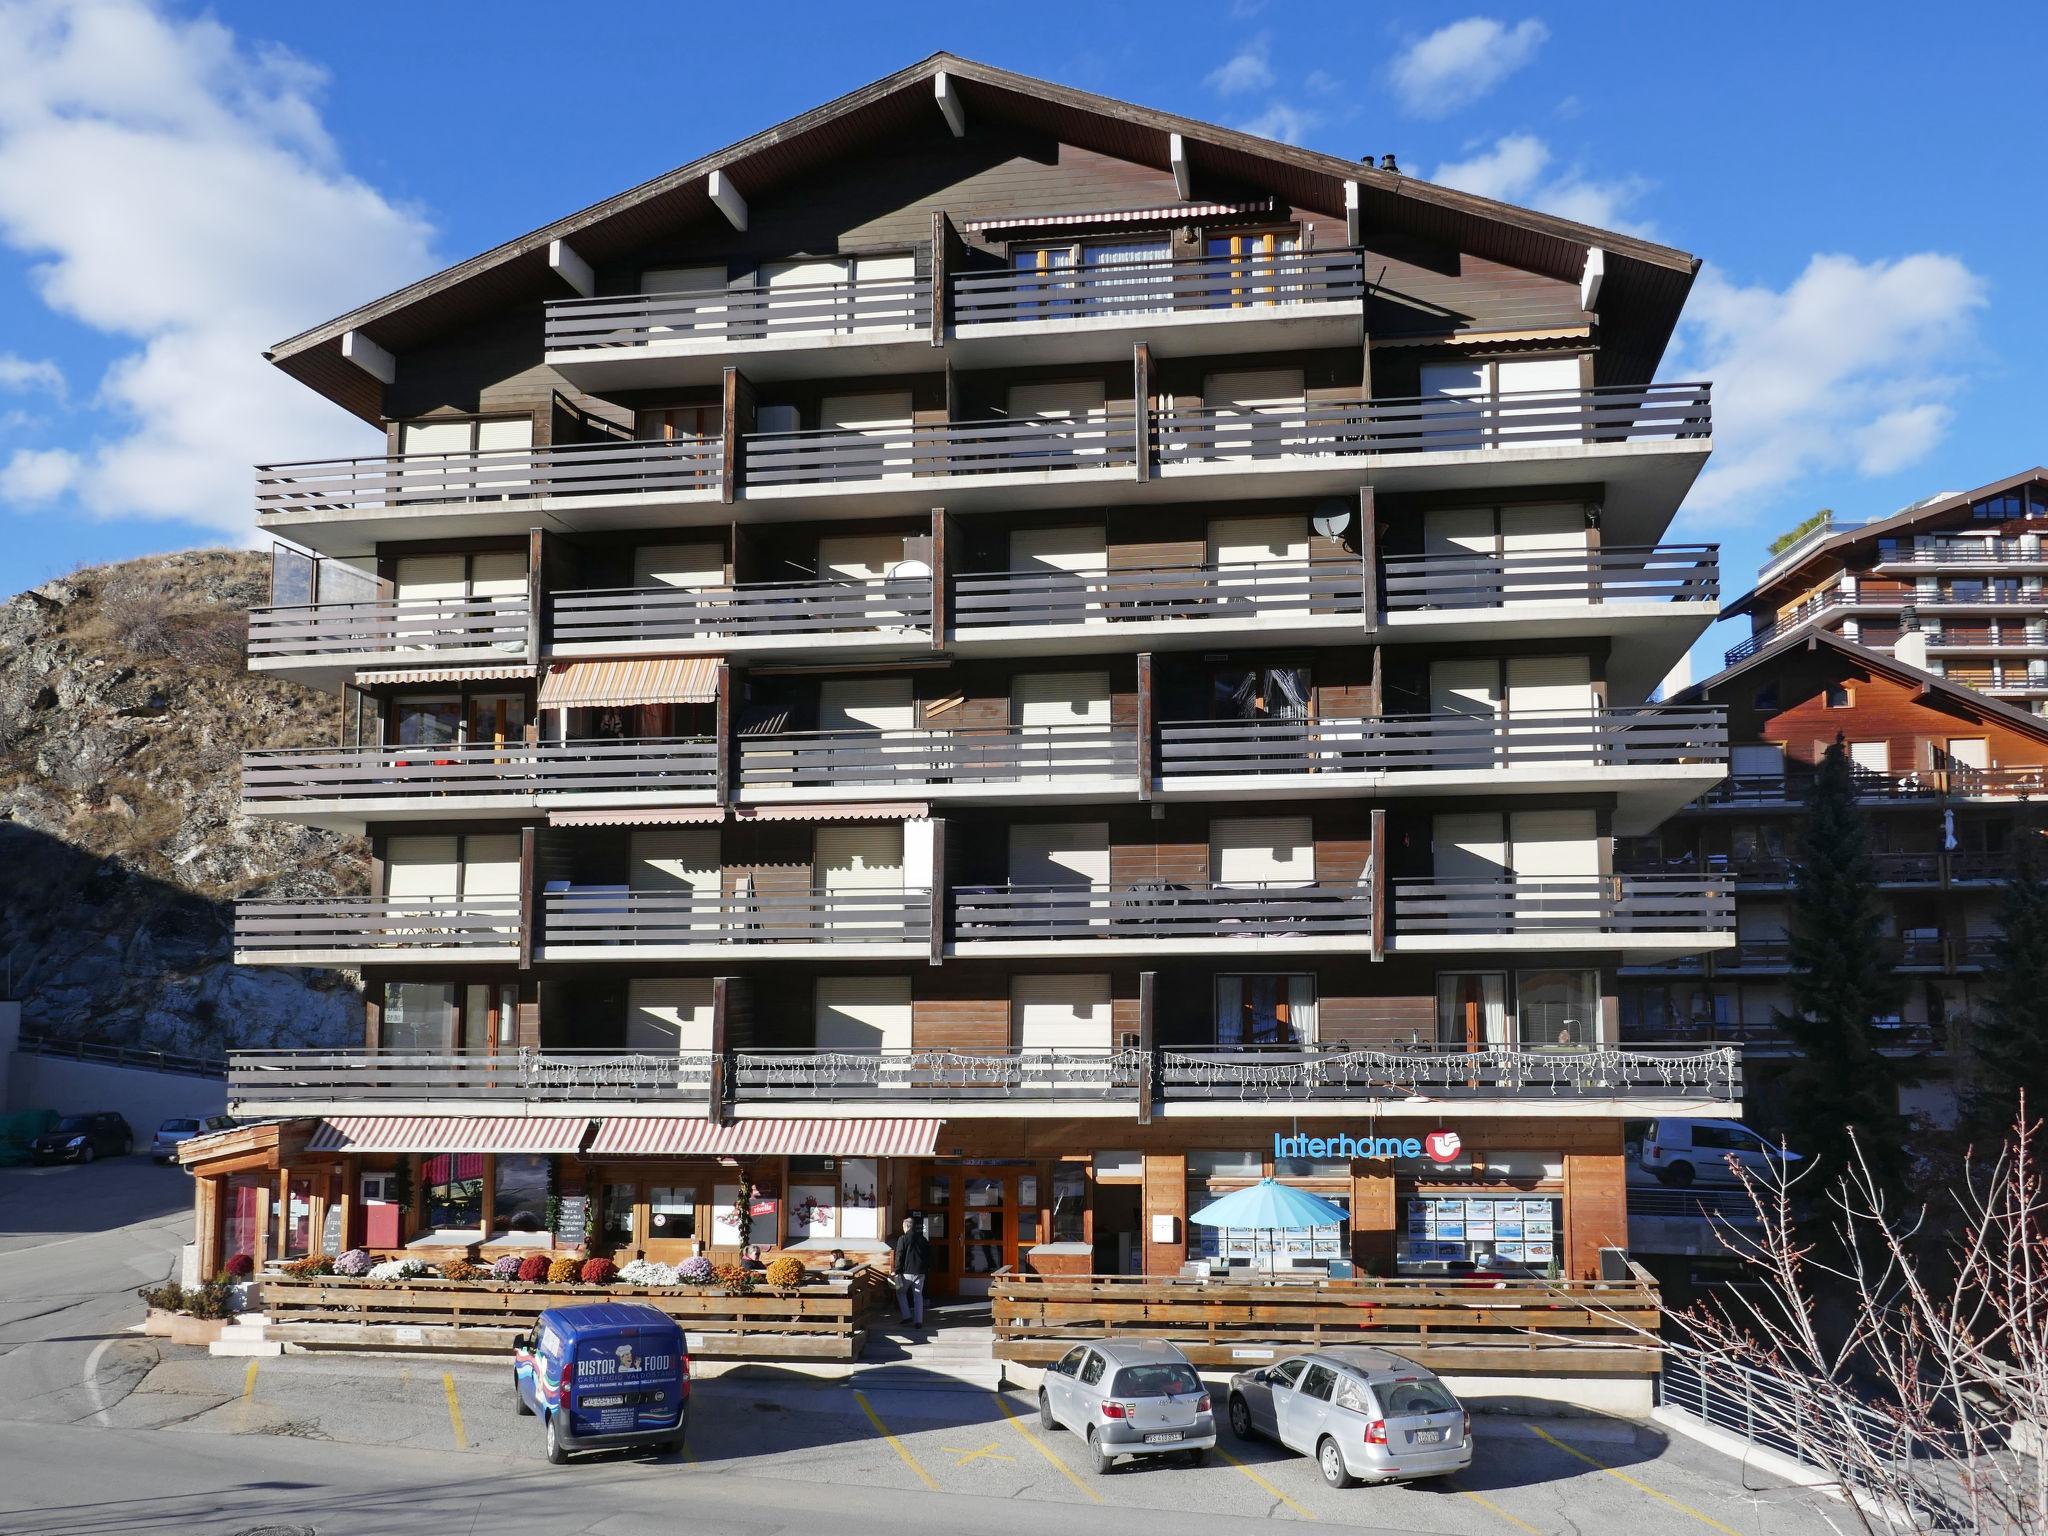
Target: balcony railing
{"x": 1247, "y": 285}
{"x": 1452, "y": 1072}
{"x": 371, "y": 924}
{"x": 612, "y": 469}
{"x": 913, "y": 758}
{"x": 726, "y": 317}
{"x": 759, "y": 610}
{"x": 1261, "y": 593}
{"x": 850, "y": 1075}
{"x": 834, "y": 455}
{"x": 1673, "y": 573}
{"x": 1806, "y": 613}
{"x": 609, "y": 917}
{"x": 430, "y": 627}
{"x": 1433, "y": 424}
{"x": 2028, "y": 639}
{"x": 1161, "y": 909}
{"x": 521, "y": 1076}
{"x": 665, "y": 766}
{"x": 1618, "y": 904}
{"x": 1961, "y": 553}
{"x": 1653, "y": 737}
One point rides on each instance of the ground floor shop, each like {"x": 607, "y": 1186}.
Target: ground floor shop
{"x": 1047, "y": 1195}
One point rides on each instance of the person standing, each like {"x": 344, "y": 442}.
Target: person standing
{"x": 913, "y": 1257}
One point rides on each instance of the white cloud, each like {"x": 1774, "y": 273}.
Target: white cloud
{"x": 1518, "y": 168}
{"x": 1459, "y": 63}
{"x": 1249, "y": 69}
{"x": 1848, "y": 369}
{"x": 1283, "y": 121}
{"x": 22, "y": 374}
{"x": 175, "y": 187}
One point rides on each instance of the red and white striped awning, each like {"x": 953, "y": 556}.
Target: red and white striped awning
{"x": 641, "y": 680}
{"x": 450, "y": 1133}
{"x": 1178, "y": 213}
{"x": 675, "y": 1136}
{"x": 852, "y": 810}
{"x": 521, "y": 672}
{"x": 642, "y": 816}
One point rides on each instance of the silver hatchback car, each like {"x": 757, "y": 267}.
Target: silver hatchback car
{"x": 1129, "y": 1397}
{"x": 1366, "y": 1415}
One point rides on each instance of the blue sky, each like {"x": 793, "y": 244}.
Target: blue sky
{"x": 180, "y": 186}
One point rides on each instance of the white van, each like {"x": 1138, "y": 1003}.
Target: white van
{"x": 1681, "y": 1152}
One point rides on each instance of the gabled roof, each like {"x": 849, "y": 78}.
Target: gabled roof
{"x": 1643, "y": 288}
{"x": 1834, "y": 551}
{"x": 1979, "y": 704}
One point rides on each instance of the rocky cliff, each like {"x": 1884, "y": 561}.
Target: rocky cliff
{"x": 124, "y": 708}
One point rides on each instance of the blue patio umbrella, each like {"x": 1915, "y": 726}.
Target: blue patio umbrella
{"x": 1270, "y": 1206}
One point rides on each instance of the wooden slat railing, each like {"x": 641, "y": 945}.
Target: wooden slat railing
{"x": 522, "y": 1076}
{"x": 1421, "y": 303}
{"x": 750, "y": 611}
{"x": 1672, "y": 573}
{"x": 506, "y": 474}
{"x": 836, "y": 455}
{"x": 731, "y": 317}
{"x": 1395, "y": 1072}
{"x": 657, "y": 766}
{"x": 1246, "y": 284}
{"x": 1160, "y": 910}
{"x": 1650, "y": 737}
{"x": 430, "y": 627}
{"x": 945, "y": 1076}
{"x": 917, "y": 758}
{"x": 1434, "y": 424}
{"x": 369, "y": 924}
{"x": 1509, "y": 1327}
{"x": 603, "y": 918}
{"x": 1961, "y": 553}
{"x": 1588, "y": 903}
{"x": 1260, "y": 592}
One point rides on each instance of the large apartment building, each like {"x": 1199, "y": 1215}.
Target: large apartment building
{"x": 997, "y": 655}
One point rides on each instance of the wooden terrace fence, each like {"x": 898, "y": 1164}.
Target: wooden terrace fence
{"x": 1518, "y": 1327}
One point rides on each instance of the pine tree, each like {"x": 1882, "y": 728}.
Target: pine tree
{"x": 1842, "y": 983}
{"x": 2009, "y": 1040}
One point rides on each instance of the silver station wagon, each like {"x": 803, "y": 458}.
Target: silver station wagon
{"x": 1129, "y": 1397}
{"x": 1366, "y": 1415}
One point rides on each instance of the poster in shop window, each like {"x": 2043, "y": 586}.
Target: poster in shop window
{"x": 1479, "y": 1221}
{"x": 1536, "y": 1219}
{"x": 1450, "y": 1219}
{"x": 1418, "y": 1218}
{"x": 860, "y": 1213}
{"x": 811, "y": 1212}
{"x": 1538, "y": 1253}
{"x": 1509, "y": 1250}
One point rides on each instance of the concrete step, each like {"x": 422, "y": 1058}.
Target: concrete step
{"x": 248, "y": 1348}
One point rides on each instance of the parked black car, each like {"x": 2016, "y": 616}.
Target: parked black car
{"x": 81, "y": 1138}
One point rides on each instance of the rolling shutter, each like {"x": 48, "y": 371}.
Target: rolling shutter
{"x": 418, "y": 866}
{"x": 1060, "y": 698}
{"x": 1549, "y": 685}
{"x": 1263, "y": 850}
{"x": 1254, "y": 541}
{"x": 1757, "y": 760}
{"x": 692, "y": 566}
{"x": 1459, "y": 531}
{"x": 1466, "y": 686}
{"x": 867, "y": 704}
{"x": 668, "y": 1014}
{"x": 1871, "y": 756}
{"x": 1064, "y": 853}
{"x": 675, "y": 859}
{"x": 490, "y": 864}
{"x": 1055, "y": 1013}
{"x": 498, "y": 573}
{"x": 1468, "y": 845}
{"x": 862, "y": 557}
{"x": 1082, "y": 548}
{"x": 862, "y": 1013}
{"x": 1553, "y": 845}
{"x": 430, "y": 576}
{"x": 865, "y": 856}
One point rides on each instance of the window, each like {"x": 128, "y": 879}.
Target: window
{"x": 454, "y": 1185}
{"x": 1289, "y": 1371}
{"x": 1266, "y": 1010}
{"x": 1318, "y": 1382}
{"x": 1255, "y": 260}
{"x": 1400, "y": 1399}
{"x": 1103, "y": 288}
{"x": 1351, "y": 1394}
{"x": 519, "y": 1194}
{"x": 1765, "y": 697}
{"x": 672, "y": 1213}
{"x": 1165, "y": 1380}
{"x": 1471, "y": 1008}
{"x": 1070, "y": 1363}
{"x": 615, "y": 1216}
{"x": 1558, "y": 1009}
{"x": 1091, "y": 1373}
{"x": 417, "y": 1016}
{"x": 1839, "y": 697}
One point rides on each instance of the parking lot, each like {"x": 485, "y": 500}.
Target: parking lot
{"x": 912, "y": 1434}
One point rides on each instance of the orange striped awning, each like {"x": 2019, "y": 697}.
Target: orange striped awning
{"x": 641, "y": 816}
{"x": 639, "y": 680}
{"x": 450, "y": 1133}
{"x": 675, "y": 1136}
{"x": 509, "y": 672}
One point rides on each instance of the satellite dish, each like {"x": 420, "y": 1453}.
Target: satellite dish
{"x": 1331, "y": 518}
{"x": 909, "y": 570}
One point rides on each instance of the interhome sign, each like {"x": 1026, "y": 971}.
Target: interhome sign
{"x": 1437, "y": 1146}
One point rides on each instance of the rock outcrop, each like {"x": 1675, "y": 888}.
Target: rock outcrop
{"x": 124, "y": 709}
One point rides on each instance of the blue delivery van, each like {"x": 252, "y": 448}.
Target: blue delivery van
{"x": 605, "y": 1375}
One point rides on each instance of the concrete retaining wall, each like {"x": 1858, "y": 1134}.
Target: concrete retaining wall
{"x": 145, "y": 1098}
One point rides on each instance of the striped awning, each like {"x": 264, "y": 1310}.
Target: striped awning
{"x": 674, "y": 1136}
{"x": 877, "y": 810}
{"x": 521, "y": 672}
{"x": 1178, "y": 213}
{"x": 640, "y": 680}
{"x": 450, "y": 1133}
{"x": 1486, "y": 338}
{"x": 684, "y": 816}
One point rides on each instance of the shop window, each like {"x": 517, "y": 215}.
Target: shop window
{"x": 1456, "y": 1234}
{"x": 615, "y": 1216}
{"x": 672, "y": 1213}
{"x": 1119, "y": 1165}
{"x": 1069, "y": 1203}
{"x": 243, "y": 1218}
{"x": 1558, "y": 1009}
{"x": 860, "y": 1202}
{"x": 454, "y": 1185}
{"x": 1264, "y": 1009}
{"x": 519, "y": 1197}
{"x": 1311, "y": 1168}
{"x": 1226, "y": 1165}
{"x": 298, "y": 1218}
{"x": 764, "y": 1204}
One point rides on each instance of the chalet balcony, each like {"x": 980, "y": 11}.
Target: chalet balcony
{"x": 1623, "y": 912}
{"x": 1161, "y": 916}
{"x": 744, "y": 619}
{"x": 1169, "y": 606}
{"x": 1336, "y": 1072}
{"x": 1042, "y": 762}
{"x": 1958, "y": 641}
{"x": 877, "y": 457}
{"x": 342, "y": 636}
{"x": 607, "y": 922}
{"x": 523, "y": 1076}
{"x": 1954, "y": 783}
{"x": 1987, "y": 555}
{"x": 1069, "y": 1076}
{"x": 342, "y": 785}
{"x": 1518, "y": 580}
{"x": 390, "y": 930}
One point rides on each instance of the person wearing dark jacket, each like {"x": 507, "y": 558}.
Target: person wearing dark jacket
{"x": 913, "y": 1257}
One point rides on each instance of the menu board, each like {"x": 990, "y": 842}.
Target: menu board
{"x": 572, "y": 1217}
{"x": 330, "y": 1230}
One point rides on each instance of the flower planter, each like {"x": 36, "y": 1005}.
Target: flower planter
{"x": 180, "y": 1329}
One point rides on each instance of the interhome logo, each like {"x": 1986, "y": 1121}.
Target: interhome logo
{"x": 1438, "y": 1146}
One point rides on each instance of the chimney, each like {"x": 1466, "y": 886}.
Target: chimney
{"x": 1387, "y": 164}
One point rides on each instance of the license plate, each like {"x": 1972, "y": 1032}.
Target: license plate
{"x": 1425, "y": 1436}
{"x": 604, "y": 1402}
{"x": 1168, "y": 1439}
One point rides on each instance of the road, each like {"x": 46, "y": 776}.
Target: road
{"x": 101, "y": 1430}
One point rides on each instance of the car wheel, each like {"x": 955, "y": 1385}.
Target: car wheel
{"x": 1240, "y": 1418}
{"x": 1098, "y": 1458}
{"x": 1198, "y": 1455}
{"x": 1330, "y": 1462}
{"x": 1045, "y": 1418}
{"x": 519, "y": 1398}
{"x": 1678, "y": 1175}
{"x": 556, "y": 1453}
{"x": 86, "y": 1155}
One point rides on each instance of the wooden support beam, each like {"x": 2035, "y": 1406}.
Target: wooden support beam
{"x": 571, "y": 268}
{"x": 728, "y": 200}
{"x": 939, "y": 907}
{"x": 536, "y": 595}
{"x": 1183, "y": 175}
{"x": 368, "y": 356}
{"x": 950, "y": 105}
{"x": 1148, "y": 991}
{"x": 1369, "y": 554}
{"x": 1146, "y": 726}
{"x": 947, "y": 255}
{"x": 942, "y": 576}
{"x": 738, "y": 421}
{"x": 721, "y": 1047}
{"x": 528, "y": 915}
{"x": 722, "y": 732}
{"x": 1141, "y": 408}
{"x": 1379, "y": 882}
{"x": 1591, "y": 278}
{"x": 1354, "y": 218}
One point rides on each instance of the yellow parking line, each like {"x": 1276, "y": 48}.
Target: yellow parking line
{"x": 1248, "y": 1472}
{"x": 1662, "y": 1498}
{"x": 1486, "y": 1503}
{"x": 454, "y": 1411}
{"x": 895, "y": 1445}
{"x": 1043, "y": 1449}
{"x": 249, "y": 1380}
